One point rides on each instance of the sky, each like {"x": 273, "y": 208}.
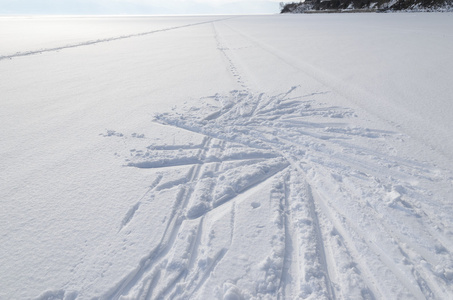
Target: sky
{"x": 138, "y": 6}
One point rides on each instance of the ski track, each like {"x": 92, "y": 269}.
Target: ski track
{"x": 332, "y": 229}
{"x": 316, "y": 279}
{"x": 105, "y": 40}
{"x": 288, "y": 256}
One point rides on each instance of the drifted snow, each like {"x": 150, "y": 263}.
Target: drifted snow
{"x": 264, "y": 157}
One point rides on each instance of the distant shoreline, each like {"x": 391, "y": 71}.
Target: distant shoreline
{"x": 332, "y": 11}
{"x": 365, "y": 6}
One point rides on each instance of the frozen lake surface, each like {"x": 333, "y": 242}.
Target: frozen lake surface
{"x": 227, "y": 157}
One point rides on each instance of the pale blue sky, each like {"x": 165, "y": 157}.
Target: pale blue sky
{"x": 138, "y": 6}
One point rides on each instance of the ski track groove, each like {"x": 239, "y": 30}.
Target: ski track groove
{"x": 382, "y": 256}
{"x": 172, "y": 229}
{"x": 168, "y": 237}
{"x": 175, "y": 222}
{"x": 314, "y": 215}
{"x": 153, "y": 283}
{"x": 194, "y": 175}
{"x": 232, "y": 221}
{"x": 172, "y": 284}
{"x": 319, "y": 241}
{"x": 346, "y": 243}
{"x": 195, "y": 245}
{"x": 289, "y": 248}
{"x": 220, "y": 255}
{"x": 131, "y": 212}
{"x": 426, "y": 284}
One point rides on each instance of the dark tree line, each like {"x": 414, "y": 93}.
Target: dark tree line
{"x": 361, "y": 4}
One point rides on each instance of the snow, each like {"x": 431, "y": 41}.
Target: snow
{"x": 226, "y": 157}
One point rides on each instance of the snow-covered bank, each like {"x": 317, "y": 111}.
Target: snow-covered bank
{"x": 252, "y": 157}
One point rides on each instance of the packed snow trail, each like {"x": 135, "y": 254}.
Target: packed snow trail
{"x": 275, "y": 183}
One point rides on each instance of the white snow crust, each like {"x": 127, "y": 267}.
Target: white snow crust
{"x": 227, "y": 157}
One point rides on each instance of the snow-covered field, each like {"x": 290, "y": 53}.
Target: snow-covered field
{"x": 227, "y": 157}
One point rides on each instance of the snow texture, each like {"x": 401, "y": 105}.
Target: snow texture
{"x": 251, "y": 157}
